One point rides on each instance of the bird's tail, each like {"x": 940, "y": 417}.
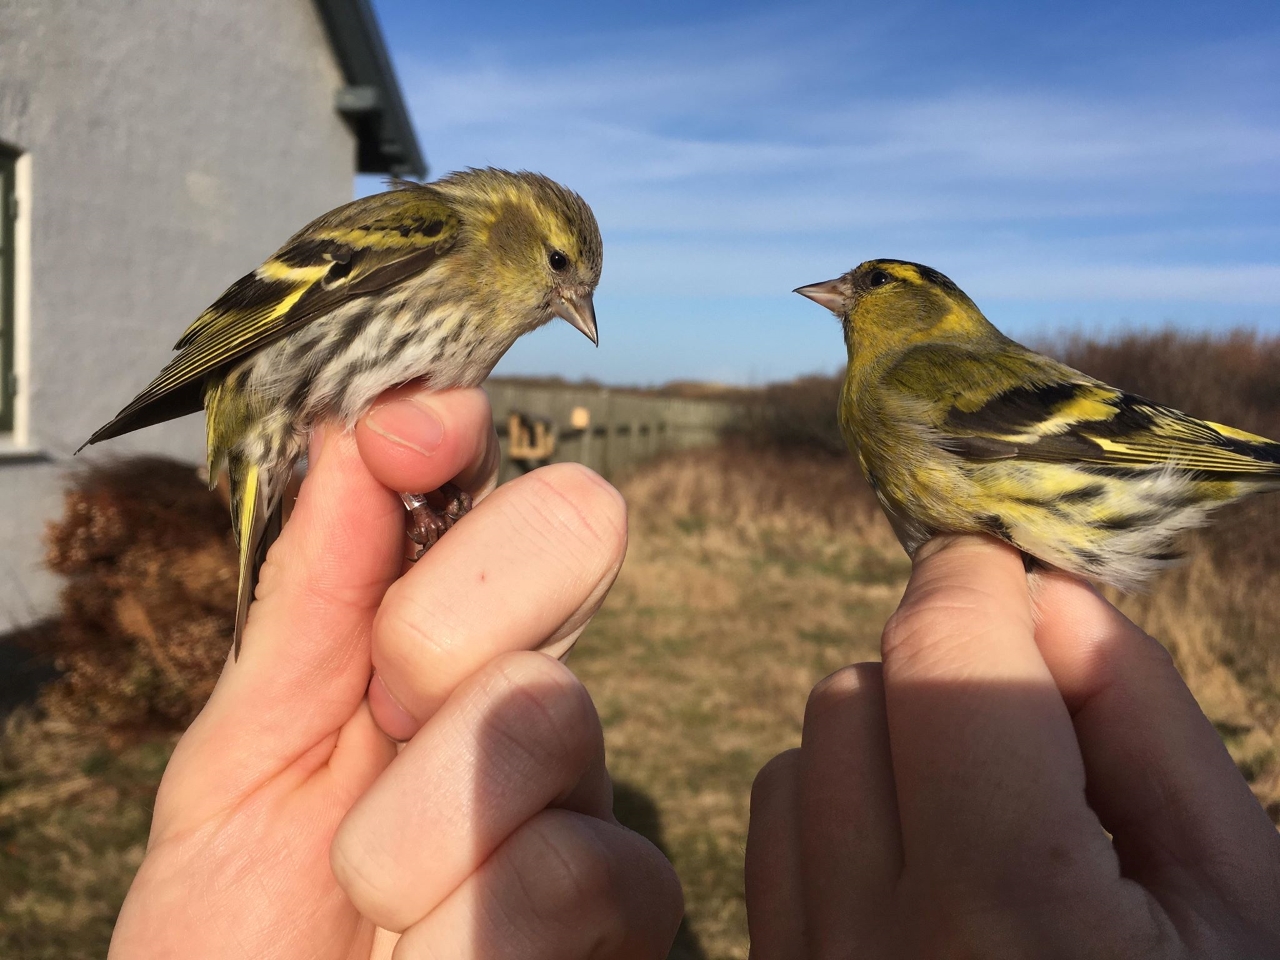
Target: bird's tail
{"x": 256, "y": 520}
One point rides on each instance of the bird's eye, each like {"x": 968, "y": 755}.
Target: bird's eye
{"x": 557, "y": 260}
{"x": 878, "y": 278}
{"x": 340, "y": 270}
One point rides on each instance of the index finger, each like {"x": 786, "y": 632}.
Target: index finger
{"x": 528, "y": 567}
{"x": 989, "y": 775}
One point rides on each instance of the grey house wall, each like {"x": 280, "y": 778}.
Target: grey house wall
{"x": 172, "y": 146}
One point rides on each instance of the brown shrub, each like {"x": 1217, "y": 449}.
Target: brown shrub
{"x": 798, "y": 415}
{"x": 143, "y": 626}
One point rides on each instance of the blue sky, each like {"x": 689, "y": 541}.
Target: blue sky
{"x": 1075, "y": 167}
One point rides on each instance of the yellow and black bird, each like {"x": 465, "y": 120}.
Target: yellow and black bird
{"x": 959, "y": 429}
{"x": 426, "y": 281}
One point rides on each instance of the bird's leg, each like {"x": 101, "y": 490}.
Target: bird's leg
{"x": 425, "y": 526}
{"x": 427, "y": 523}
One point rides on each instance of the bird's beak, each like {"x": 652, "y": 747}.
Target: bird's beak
{"x": 826, "y": 294}
{"x": 578, "y": 309}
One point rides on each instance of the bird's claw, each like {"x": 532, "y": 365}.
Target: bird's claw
{"x": 457, "y": 502}
{"x": 428, "y": 524}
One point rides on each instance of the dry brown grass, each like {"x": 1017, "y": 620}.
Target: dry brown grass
{"x": 74, "y": 816}
{"x": 749, "y": 577}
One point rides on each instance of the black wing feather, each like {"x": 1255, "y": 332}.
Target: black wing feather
{"x": 371, "y": 245}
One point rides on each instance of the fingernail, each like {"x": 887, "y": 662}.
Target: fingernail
{"x": 396, "y": 722}
{"x": 408, "y": 423}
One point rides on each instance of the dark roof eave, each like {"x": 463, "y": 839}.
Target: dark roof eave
{"x": 371, "y": 101}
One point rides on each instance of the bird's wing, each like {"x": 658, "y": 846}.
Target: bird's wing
{"x": 1018, "y": 404}
{"x": 358, "y": 249}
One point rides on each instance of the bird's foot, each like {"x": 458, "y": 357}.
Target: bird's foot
{"x": 427, "y": 522}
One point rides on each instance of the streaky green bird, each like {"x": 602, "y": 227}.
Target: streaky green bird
{"x": 960, "y": 429}
{"x": 425, "y": 281}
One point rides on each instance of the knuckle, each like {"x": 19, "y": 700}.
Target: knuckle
{"x": 329, "y": 587}
{"x": 573, "y": 886}
{"x": 903, "y": 625}
{"x": 570, "y": 508}
{"x": 371, "y": 891}
{"x": 772, "y": 775}
{"x": 478, "y": 407}
{"x": 833, "y": 690}
{"x": 937, "y": 613}
{"x": 1155, "y": 654}
{"x": 411, "y": 634}
{"x": 542, "y": 714}
{"x": 565, "y": 867}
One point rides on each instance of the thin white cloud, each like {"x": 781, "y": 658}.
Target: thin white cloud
{"x": 741, "y": 158}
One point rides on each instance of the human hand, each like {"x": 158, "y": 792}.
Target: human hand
{"x": 491, "y": 832}
{"x": 953, "y": 802}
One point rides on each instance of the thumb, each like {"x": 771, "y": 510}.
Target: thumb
{"x": 305, "y": 663}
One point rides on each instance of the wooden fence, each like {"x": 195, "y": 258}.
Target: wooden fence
{"x": 608, "y": 430}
